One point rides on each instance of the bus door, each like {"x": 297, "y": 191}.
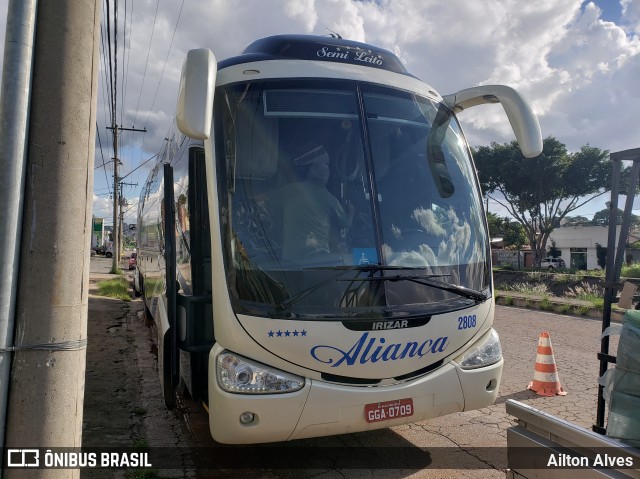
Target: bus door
{"x": 195, "y": 317}
{"x": 167, "y": 338}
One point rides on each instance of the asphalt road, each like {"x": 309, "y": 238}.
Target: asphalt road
{"x": 102, "y": 265}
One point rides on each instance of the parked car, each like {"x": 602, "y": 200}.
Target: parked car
{"x": 133, "y": 260}
{"x": 553, "y": 263}
{"x": 108, "y": 251}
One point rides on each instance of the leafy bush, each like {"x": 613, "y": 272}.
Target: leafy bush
{"x": 631, "y": 271}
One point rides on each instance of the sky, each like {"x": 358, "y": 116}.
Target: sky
{"x": 577, "y": 62}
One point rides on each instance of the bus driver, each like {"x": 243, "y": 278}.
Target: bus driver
{"x": 309, "y": 210}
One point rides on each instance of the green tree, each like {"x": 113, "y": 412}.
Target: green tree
{"x": 577, "y": 221}
{"x": 601, "y": 218}
{"x": 496, "y": 225}
{"x": 514, "y": 235}
{"x": 511, "y": 232}
{"x": 539, "y": 192}
{"x": 601, "y": 253}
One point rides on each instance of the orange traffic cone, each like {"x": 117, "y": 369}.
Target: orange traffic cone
{"x": 545, "y": 377}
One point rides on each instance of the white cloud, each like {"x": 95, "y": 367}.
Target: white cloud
{"x": 578, "y": 71}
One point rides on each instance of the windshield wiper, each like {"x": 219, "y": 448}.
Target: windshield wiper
{"x": 304, "y": 293}
{"x": 342, "y": 270}
{"x": 478, "y": 296}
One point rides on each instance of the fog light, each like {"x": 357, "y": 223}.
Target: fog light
{"x": 246, "y": 417}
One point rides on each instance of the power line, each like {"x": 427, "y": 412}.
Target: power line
{"x": 144, "y": 75}
{"x": 112, "y": 96}
{"x": 165, "y": 64}
{"x": 125, "y": 68}
{"x": 103, "y": 163}
{"x": 105, "y": 66}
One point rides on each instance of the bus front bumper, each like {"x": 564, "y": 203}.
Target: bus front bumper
{"x": 323, "y": 409}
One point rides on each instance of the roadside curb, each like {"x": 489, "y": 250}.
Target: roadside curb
{"x": 553, "y": 304}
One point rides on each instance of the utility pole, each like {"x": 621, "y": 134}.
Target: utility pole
{"x": 115, "y": 259}
{"x": 14, "y": 116}
{"x": 47, "y": 380}
{"x": 122, "y": 205}
{"x": 116, "y": 234}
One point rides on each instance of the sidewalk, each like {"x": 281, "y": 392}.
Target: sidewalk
{"x": 123, "y": 406}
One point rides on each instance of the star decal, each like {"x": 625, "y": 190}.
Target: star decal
{"x": 287, "y": 333}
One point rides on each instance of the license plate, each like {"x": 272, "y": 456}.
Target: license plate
{"x": 384, "y": 411}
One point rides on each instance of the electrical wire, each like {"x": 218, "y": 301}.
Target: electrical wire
{"x": 103, "y": 163}
{"x": 144, "y": 75}
{"x": 165, "y": 64}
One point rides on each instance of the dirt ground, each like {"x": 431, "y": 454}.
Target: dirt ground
{"x": 123, "y": 405}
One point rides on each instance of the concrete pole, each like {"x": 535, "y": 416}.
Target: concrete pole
{"x": 47, "y": 382}
{"x": 115, "y": 262}
{"x": 14, "y": 116}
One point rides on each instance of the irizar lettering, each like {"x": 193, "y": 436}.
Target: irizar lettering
{"x": 391, "y": 324}
{"x": 373, "y": 349}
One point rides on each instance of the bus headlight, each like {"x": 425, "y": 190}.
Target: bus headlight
{"x": 484, "y": 353}
{"x": 241, "y": 375}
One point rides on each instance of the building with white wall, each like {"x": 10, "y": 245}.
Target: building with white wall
{"x": 578, "y": 244}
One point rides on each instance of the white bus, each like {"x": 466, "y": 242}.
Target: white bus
{"x": 313, "y": 246}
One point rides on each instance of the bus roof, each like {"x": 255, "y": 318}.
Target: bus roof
{"x": 318, "y": 48}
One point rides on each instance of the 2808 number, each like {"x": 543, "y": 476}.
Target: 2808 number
{"x": 466, "y": 322}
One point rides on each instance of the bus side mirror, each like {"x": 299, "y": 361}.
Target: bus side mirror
{"x": 523, "y": 119}
{"x": 195, "y": 96}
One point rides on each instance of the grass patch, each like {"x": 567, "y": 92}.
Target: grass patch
{"x": 545, "y": 304}
{"x": 536, "y": 277}
{"x": 139, "y": 411}
{"x": 115, "y": 288}
{"x": 538, "y": 289}
{"x": 581, "y": 310}
{"x": 507, "y": 301}
{"x": 562, "y": 278}
{"x": 141, "y": 444}
{"x": 587, "y": 292}
{"x": 564, "y": 308}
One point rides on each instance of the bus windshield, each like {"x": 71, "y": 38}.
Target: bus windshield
{"x": 346, "y": 200}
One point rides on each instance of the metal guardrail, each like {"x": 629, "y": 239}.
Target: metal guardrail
{"x": 538, "y": 435}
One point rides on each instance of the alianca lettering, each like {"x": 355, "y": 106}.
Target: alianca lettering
{"x": 373, "y": 349}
